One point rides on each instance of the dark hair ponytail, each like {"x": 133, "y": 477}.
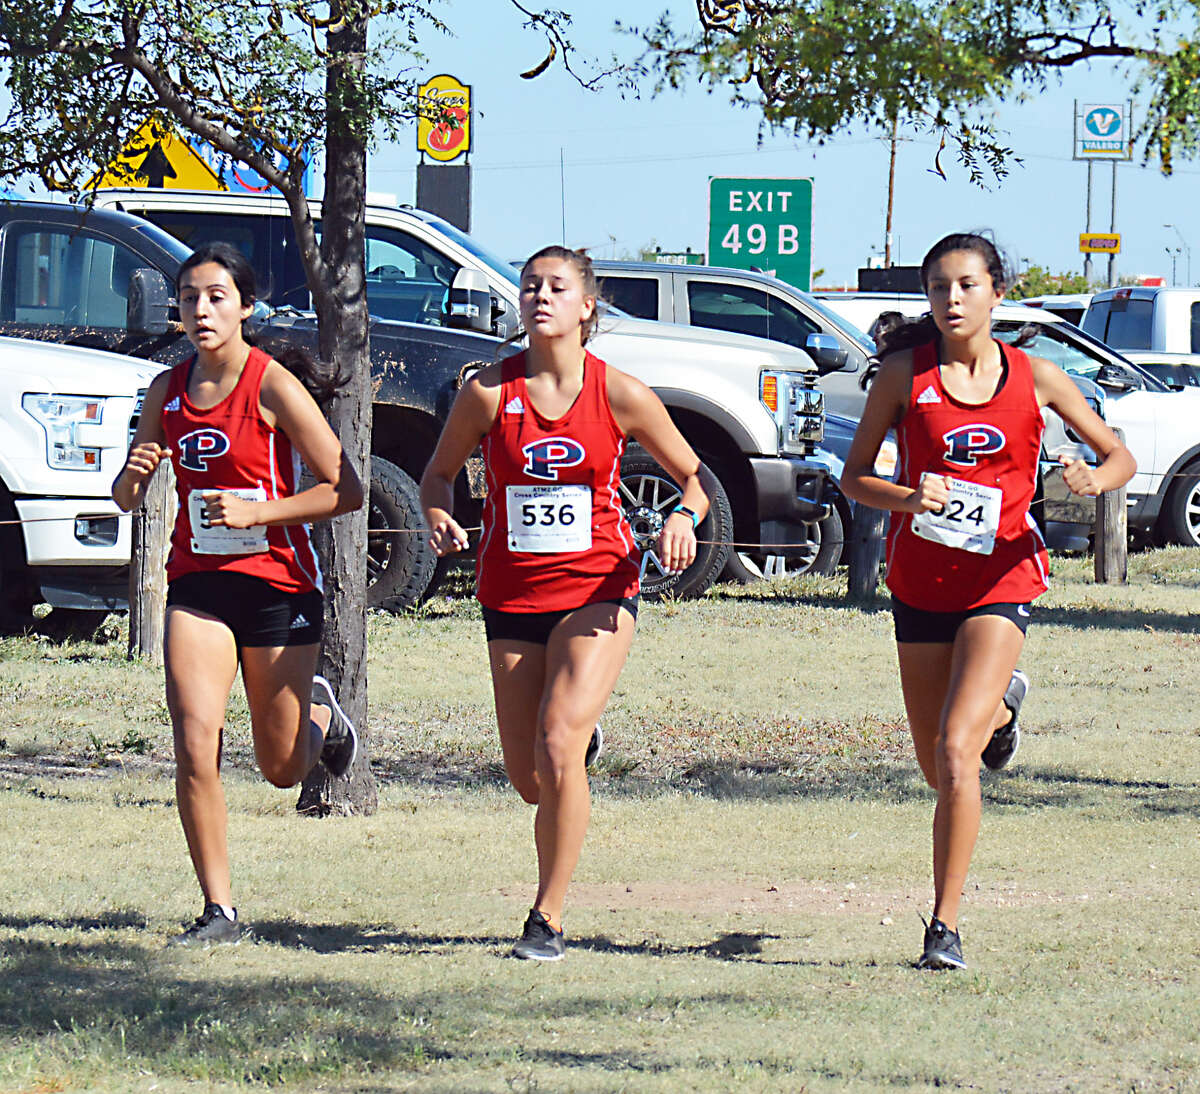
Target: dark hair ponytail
{"x": 321, "y": 382}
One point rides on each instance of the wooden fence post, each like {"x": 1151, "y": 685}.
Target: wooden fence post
{"x": 866, "y": 551}
{"x": 1112, "y": 535}
{"x": 153, "y": 521}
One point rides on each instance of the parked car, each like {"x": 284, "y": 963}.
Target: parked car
{"x": 1070, "y": 306}
{"x": 752, "y": 411}
{"x": 1146, "y": 317}
{"x": 1176, "y": 370}
{"x": 68, "y": 416}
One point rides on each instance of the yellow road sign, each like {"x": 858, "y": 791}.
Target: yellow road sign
{"x": 158, "y": 158}
{"x": 1096, "y": 243}
{"x": 448, "y": 136}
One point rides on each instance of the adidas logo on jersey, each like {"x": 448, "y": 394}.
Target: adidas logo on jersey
{"x": 173, "y": 404}
{"x": 514, "y": 406}
{"x": 297, "y": 623}
{"x": 929, "y": 396}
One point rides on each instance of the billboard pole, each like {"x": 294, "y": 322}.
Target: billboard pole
{"x": 1112, "y": 227}
{"x": 1087, "y": 225}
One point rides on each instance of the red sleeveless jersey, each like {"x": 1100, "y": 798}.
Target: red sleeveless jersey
{"x": 229, "y": 447}
{"x": 994, "y": 444}
{"x": 554, "y": 534}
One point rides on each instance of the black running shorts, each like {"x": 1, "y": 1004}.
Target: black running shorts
{"x": 255, "y": 611}
{"x": 917, "y": 625}
{"x": 535, "y": 627}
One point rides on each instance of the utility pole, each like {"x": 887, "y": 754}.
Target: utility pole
{"x": 887, "y": 243}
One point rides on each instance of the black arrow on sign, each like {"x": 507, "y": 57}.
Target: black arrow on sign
{"x": 155, "y": 167}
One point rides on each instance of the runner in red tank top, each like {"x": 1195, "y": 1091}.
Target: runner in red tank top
{"x": 965, "y": 559}
{"x": 244, "y": 585}
{"x": 557, "y": 573}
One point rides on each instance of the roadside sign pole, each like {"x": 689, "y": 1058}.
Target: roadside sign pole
{"x": 1112, "y": 258}
{"x": 1087, "y": 226}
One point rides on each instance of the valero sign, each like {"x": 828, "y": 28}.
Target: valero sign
{"x": 1097, "y": 243}
{"x": 444, "y": 125}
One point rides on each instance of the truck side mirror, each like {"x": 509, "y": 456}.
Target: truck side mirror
{"x": 827, "y": 352}
{"x": 1115, "y": 377}
{"x": 148, "y": 303}
{"x": 470, "y": 303}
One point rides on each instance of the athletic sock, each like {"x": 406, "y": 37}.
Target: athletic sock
{"x": 228, "y": 912}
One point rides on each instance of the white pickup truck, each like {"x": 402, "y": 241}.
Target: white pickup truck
{"x": 68, "y": 414}
{"x": 1145, "y": 317}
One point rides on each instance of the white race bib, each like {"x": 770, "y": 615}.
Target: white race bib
{"x": 549, "y": 519}
{"x": 968, "y": 521}
{"x": 209, "y": 539}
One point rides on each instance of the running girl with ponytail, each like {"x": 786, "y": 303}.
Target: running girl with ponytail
{"x": 965, "y": 559}
{"x": 557, "y": 569}
{"x": 244, "y": 586}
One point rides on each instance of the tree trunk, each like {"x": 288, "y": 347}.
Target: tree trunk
{"x": 341, "y": 306}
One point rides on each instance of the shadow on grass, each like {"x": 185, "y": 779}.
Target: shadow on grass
{"x": 329, "y": 938}
{"x": 124, "y": 1009}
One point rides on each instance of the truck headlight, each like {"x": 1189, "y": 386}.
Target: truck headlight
{"x": 797, "y": 407}
{"x": 66, "y": 420}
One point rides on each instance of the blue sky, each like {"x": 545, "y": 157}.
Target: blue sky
{"x": 638, "y": 170}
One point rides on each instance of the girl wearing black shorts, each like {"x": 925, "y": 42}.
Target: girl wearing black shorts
{"x": 557, "y": 569}
{"x": 244, "y": 586}
{"x": 965, "y": 559}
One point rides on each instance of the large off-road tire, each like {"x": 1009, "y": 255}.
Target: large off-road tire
{"x": 400, "y": 563}
{"x": 820, "y": 554}
{"x": 1181, "y": 513}
{"x": 648, "y": 495}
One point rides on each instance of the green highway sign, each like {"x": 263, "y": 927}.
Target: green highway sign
{"x": 763, "y": 224}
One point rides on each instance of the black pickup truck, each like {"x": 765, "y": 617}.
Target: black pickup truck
{"x": 66, "y": 276}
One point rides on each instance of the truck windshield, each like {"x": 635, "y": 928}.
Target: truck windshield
{"x": 1121, "y": 322}
{"x": 166, "y": 241}
{"x": 491, "y": 260}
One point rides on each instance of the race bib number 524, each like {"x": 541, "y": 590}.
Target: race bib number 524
{"x": 968, "y": 521}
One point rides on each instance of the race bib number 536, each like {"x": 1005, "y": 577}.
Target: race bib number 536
{"x": 549, "y": 519}
{"x": 968, "y": 521}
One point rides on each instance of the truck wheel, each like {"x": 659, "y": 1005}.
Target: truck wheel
{"x": 400, "y": 564}
{"x": 822, "y": 551}
{"x": 648, "y": 495}
{"x": 1181, "y": 516}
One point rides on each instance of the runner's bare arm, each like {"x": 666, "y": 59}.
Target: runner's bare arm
{"x": 887, "y": 402}
{"x": 147, "y": 449}
{"x": 640, "y": 414}
{"x": 286, "y": 402}
{"x": 472, "y": 415}
{"x": 1058, "y": 391}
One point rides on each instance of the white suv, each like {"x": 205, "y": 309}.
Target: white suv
{"x": 67, "y": 419}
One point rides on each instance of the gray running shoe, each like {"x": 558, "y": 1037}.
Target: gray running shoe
{"x": 943, "y": 947}
{"x": 595, "y": 746}
{"x": 211, "y": 927}
{"x": 1007, "y": 739}
{"x": 341, "y": 739}
{"x": 539, "y": 941}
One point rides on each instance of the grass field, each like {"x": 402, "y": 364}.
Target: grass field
{"x": 746, "y": 912}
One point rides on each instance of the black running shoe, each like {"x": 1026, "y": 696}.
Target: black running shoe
{"x": 539, "y": 941}
{"x": 943, "y": 947}
{"x": 1007, "y": 739}
{"x": 595, "y": 746}
{"x": 341, "y": 739}
{"x": 213, "y": 926}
